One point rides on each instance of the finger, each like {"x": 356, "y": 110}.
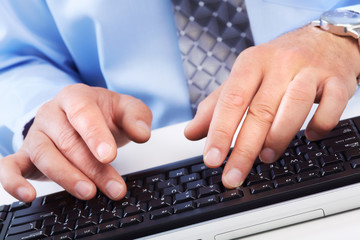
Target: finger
{"x": 293, "y": 110}
{"x": 199, "y": 126}
{"x": 47, "y": 158}
{"x": 98, "y": 118}
{"x": 233, "y": 100}
{"x": 73, "y": 148}
{"x": 11, "y": 176}
{"x": 333, "y": 101}
{"x": 80, "y": 103}
{"x": 133, "y": 117}
{"x": 260, "y": 116}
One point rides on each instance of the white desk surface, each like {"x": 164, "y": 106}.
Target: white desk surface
{"x": 169, "y": 144}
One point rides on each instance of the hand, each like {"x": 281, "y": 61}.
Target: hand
{"x": 72, "y": 140}
{"x": 277, "y": 83}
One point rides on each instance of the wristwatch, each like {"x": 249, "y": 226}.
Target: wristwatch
{"x": 342, "y": 22}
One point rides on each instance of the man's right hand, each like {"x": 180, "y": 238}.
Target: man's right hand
{"x": 72, "y": 140}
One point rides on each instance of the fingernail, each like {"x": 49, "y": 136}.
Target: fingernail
{"x": 312, "y": 135}
{"x": 83, "y": 188}
{"x": 234, "y": 178}
{"x": 213, "y": 157}
{"x": 24, "y": 193}
{"x": 143, "y": 125}
{"x": 267, "y": 155}
{"x": 114, "y": 188}
{"x": 103, "y": 151}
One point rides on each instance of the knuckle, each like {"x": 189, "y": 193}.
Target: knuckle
{"x": 68, "y": 142}
{"x": 232, "y": 100}
{"x": 246, "y": 153}
{"x": 262, "y": 112}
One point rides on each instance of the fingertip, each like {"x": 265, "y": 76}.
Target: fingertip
{"x": 144, "y": 130}
{"x": 105, "y": 152}
{"x": 84, "y": 190}
{"x": 233, "y": 178}
{"x": 25, "y": 193}
{"x": 267, "y": 155}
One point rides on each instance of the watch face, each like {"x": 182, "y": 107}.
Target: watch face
{"x": 341, "y": 17}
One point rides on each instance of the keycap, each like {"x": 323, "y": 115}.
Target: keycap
{"x": 291, "y": 160}
{"x": 281, "y": 172}
{"x": 185, "y": 196}
{"x": 352, "y": 154}
{"x": 310, "y": 164}
{"x": 85, "y": 232}
{"x": 132, "y": 210}
{"x": 206, "y": 201}
{"x": 211, "y": 172}
{"x": 230, "y": 195}
{"x": 131, "y": 220}
{"x": 259, "y": 188}
{"x": 305, "y": 176}
{"x": 19, "y": 205}
{"x": 178, "y": 173}
{"x": 159, "y": 213}
{"x": 355, "y": 163}
{"x": 196, "y": 184}
{"x": 168, "y": 183}
{"x": 282, "y": 182}
{"x": 198, "y": 167}
{"x": 104, "y": 227}
{"x": 25, "y": 227}
{"x": 330, "y": 159}
{"x": 208, "y": 190}
{"x": 31, "y": 235}
{"x": 257, "y": 178}
{"x": 331, "y": 169}
{"x": 357, "y": 122}
{"x": 189, "y": 178}
{"x": 3, "y": 216}
{"x": 159, "y": 203}
{"x": 182, "y": 207}
{"x": 306, "y": 148}
{"x": 154, "y": 179}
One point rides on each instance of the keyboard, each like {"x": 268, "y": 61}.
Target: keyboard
{"x": 187, "y": 192}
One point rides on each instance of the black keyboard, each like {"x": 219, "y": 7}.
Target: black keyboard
{"x": 187, "y": 192}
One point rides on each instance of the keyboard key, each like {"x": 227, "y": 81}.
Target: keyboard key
{"x": 189, "y": 178}
{"x": 196, "y": 184}
{"x": 3, "y": 216}
{"x": 198, "y": 167}
{"x": 305, "y": 176}
{"x": 64, "y": 236}
{"x": 208, "y": 190}
{"x": 85, "y": 232}
{"x": 352, "y": 154}
{"x": 308, "y": 165}
{"x": 306, "y": 148}
{"x": 185, "y": 196}
{"x": 24, "y": 228}
{"x": 291, "y": 160}
{"x": 355, "y": 163}
{"x": 230, "y": 195}
{"x": 357, "y": 122}
{"x": 31, "y": 235}
{"x": 173, "y": 190}
{"x": 87, "y": 222}
{"x": 159, "y": 213}
{"x": 282, "y": 182}
{"x": 132, "y": 210}
{"x": 257, "y": 178}
{"x": 211, "y": 172}
{"x": 154, "y": 179}
{"x": 168, "y": 183}
{"x": 327, "y": 170}
{"x": 104, "y": 227}
{"x": 330, "y": 159}
{"x": 281, "y": 172}
{"x": 19, "y": 205}
{"x": 206, "y": 201}
{"x": 131, "y": 220}
{"x": 159, "y": 203}
{"x": 178, "y": 173}
{"x": 259, "y": 188}
{"x": 62, "y": 228}
{"x": 182, "y": 207}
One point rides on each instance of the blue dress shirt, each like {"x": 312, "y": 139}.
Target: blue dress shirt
{"x": 127, "y": 46}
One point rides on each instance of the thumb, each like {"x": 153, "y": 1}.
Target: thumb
{"x": 12, "y": 168}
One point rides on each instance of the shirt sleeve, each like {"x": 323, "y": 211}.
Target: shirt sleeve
{"x": 34, "y": 63}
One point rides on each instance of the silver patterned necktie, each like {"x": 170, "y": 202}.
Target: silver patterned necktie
{"x": 211, "y": 35}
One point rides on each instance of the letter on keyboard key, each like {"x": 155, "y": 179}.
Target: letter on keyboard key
{"x": 182, "y": 207}
{"x": 231, "y": 195}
